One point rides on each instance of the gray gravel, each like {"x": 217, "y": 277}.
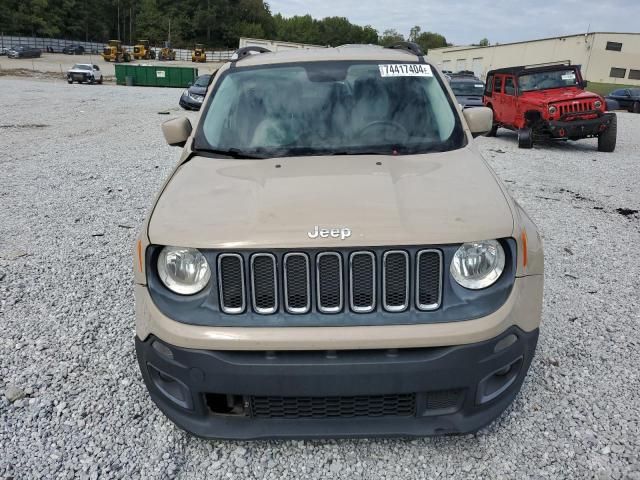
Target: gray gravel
{"x": 79, "y": 168}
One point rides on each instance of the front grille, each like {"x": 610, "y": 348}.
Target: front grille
{"x": 330, "y": 282}
{"x": 397, "y": 405}
{"x": 576, "y": 108}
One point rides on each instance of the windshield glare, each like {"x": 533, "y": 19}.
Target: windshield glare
{"x": 544, "y": 80}
{"x": 82, "y": 67}
{"x": 328, "y": 108}
{"x": 468, "y": 88}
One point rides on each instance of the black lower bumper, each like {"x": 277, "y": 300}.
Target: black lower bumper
{"x": 412, "y": 392}
{"x": 189, "y": 104}
{"x": 580, "y": 128}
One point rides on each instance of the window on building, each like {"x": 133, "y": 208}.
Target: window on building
{"x": 618, "y": 72}
{"x": 634, "y": 74}
{"x": 614, "y": 46}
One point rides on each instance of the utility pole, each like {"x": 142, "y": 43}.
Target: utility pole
{"x": 130, "y": 24}
{"x": 118, "y": 19}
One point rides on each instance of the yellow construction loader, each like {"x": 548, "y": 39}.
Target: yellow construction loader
{"x": 115, "y": 52}
{"x": 142, "y": 51}
{"x": 198, "y": 54}
{"x": 167, "y": 53}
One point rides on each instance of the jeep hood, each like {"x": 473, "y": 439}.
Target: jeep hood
{"x": 557, "y": 95}
{"x": 384, "y": 200}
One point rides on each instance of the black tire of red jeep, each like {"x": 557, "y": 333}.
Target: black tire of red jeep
{"x": 636, "y": 107}
{"x": 494, "y": 131}
{"x": 525, "y": 137}
{"x": 607, "y": 139}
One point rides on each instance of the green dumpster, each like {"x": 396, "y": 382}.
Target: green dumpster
{"x": 155, "y": 76}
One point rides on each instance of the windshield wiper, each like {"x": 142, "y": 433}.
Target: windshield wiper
{"x": 232, "y": 153}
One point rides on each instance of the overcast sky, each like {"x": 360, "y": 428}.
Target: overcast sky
{"x": 468, "y": 21}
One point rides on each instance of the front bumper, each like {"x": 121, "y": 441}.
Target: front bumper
{"x": 352, "y": 393}
{"x": 188, "y": 103}
{"x": 580, "y": 128}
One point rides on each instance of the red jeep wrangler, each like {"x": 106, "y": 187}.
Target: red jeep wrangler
{"x": 548, "y": 102}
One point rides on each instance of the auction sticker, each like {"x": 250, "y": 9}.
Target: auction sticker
{"x": 405, "y": 70}
{"x": 568, "y": 76}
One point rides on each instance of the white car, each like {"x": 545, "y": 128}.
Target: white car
{"x": 84, "y": 72}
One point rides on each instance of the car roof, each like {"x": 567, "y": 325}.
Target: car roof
{"x": 344, "y": 53}
{"x": 464, "y": 79}
{"x": 532, "y": 69}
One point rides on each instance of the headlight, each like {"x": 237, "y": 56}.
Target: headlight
{"x": 185, "y": 93}
{"x": 478, "y": 265}
{"x": 597, "y": 104}
{"x": 552, "y": 109}
{"x": 183, "y": 270}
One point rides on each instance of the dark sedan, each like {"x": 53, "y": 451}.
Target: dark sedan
{"x": 73, "y": 50}
{"x": 24, "y": 52}
{"x": 193, "y": 96}
{"x": 627, "y": 99}
{"x": 468, "y": 90}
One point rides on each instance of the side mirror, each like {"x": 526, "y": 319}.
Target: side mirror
{"x": 584, "y": 84}
{"x": 479, "y": 120}
{"x": 177, "y": 131}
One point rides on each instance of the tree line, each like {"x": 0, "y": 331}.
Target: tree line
{"x": 216, "y": 23}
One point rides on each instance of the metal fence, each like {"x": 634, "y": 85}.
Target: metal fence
{"x": 56, "y": 45}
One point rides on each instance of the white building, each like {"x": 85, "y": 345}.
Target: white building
{"x": 604, "y": 57}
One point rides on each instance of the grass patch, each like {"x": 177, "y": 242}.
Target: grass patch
{"x": 605, "y": 89}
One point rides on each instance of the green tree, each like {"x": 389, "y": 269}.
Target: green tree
{"x": 389, "y": 37}
{"x": 484, "y": 42}
{"x": 428, "y": 40}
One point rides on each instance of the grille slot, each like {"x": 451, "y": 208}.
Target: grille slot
{"x": 362, "y": 282}
{"x": 396, "y": 405}
{"x": 330, "y": 282}
{"x": 395, "y": 281}
{"x": 264, "y": 283}
{"x": 297, "y": 288}
{"x": 428, "y": 279}
{"x": 231, "y": 283}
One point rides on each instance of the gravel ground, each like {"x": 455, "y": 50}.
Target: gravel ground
{"x": 79, "y": 170}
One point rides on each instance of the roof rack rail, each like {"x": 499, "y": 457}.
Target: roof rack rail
{"x": 245, "y": 51}
{"x": 410, "y": 47}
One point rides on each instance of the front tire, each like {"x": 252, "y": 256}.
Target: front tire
{"x": 70, "y": 82}
{"x": 636, "y": 107}
{"x": 525, "y": 137}
{"x": 100, "y": 81}
{"x": 607, "y": 139}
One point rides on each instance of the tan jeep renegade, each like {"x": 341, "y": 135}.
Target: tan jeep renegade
{"x": 333, "y": 257}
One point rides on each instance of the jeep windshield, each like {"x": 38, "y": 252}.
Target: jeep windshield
{"x": 329, "y": 108}
{"x": 548, "y": 79}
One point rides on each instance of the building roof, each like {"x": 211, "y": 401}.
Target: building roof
{"x": 472, "y": 47}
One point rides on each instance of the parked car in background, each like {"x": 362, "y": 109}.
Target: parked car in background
{"x": 468, "y": 90}
{"x": 193, "y": 96}
{"x": 549, "y": 102}
{"x": 4, "y": 50}
{"x": 627, "y": 98}
{"x": 24, "y": 52}
{"x": 73, "y": 50}
{"x": 84, "y": 72}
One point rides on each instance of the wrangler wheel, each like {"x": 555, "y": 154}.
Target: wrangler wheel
{"x": 636, "y": 107}
{"x": 607, "y": 139}
{"x": 525, "y": 137}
